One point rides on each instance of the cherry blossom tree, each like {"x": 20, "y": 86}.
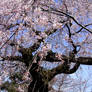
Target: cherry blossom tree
{"x": 36, "y": 32}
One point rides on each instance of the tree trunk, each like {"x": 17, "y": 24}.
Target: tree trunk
{"x": 37, "y": 85}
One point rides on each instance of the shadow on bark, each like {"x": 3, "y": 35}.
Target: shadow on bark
{"x": 37, "y": 85}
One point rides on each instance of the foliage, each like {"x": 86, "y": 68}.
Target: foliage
{"x": 34, "y": 31}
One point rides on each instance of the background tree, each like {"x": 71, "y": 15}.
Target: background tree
{"x": 40, "y": 31}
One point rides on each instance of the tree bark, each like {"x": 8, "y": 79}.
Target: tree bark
{"x": 37, "y": 84}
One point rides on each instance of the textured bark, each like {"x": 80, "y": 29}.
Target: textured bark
{"x": 37, "y": 84}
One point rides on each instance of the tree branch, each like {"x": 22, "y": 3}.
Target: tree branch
{"x": 81, "y": 29}
{"x": 84, "y": 60}
{"x": 51, "y": 57}
{"x": 12, "y": 58}
{"x": 60, "y": 13}
{"x": 9, "y": 39}
{"x": 73, "y": 70}
{"x": 49, "y": 74}
{"x": 62, "y": 68}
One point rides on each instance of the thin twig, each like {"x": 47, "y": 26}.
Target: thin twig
{"x": 60, "y": 13}
{"x": 9, "y": 39}
{"x": 81, "y": 29}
